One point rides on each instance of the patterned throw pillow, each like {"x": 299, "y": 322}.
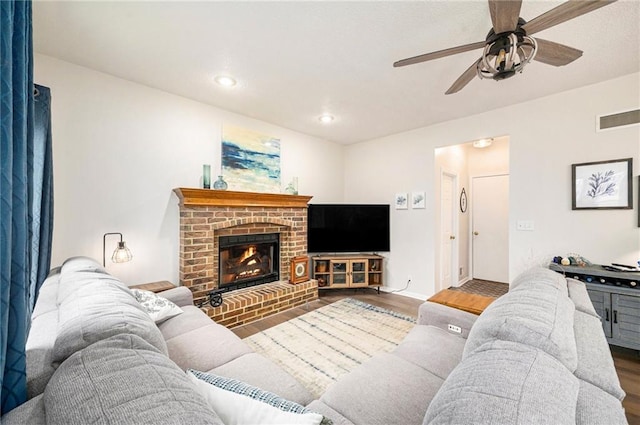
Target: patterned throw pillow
{"x": 157, "y": 307}
{"x": 238, "y": 403}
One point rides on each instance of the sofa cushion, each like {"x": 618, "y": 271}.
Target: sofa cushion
{"x": 191, "y": 318}
{"x": 206, "y": 347}
{"x": 239, "y": 403}
{"x": 595, "y": 364}
{"x": 180, "y": 296}
{"x": 123, "y": 379}
{"x": 29, "y": 413}
{"x": 384, "y": 390}
{"x": 433, "y": 349}
{"x": 39, "y": 350}
{"x": 580, "y": 297}
{"x": 72, "y": 282}
{"x": 504, "y": 382}
{"x": 261, "y": 372}
{"x": 80, "y": 263}
{"x": 598, "y": 407}
{"x": 540, "y": 276}
{"x": 99, "y": 310}
{"x": 328, "y": 412}
{"x": 538, "y": 314}
{"x": 47, "y": 295}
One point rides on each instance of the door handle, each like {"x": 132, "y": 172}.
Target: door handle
{"x": 476, "y": 233}
{"x": 606, "y": 314}
{"x": 615, "y": 316}
{"x": 452, "y": 237}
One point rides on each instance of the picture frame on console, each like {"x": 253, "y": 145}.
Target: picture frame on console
{"x": 602, "y": 185}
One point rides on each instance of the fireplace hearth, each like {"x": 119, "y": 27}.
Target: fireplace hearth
{"x": 248, "y": 260}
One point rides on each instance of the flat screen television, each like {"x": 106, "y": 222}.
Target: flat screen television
{"x": 348, "y": 228}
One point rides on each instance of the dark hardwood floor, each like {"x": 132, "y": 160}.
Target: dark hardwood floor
{"x": 627, "y": 361}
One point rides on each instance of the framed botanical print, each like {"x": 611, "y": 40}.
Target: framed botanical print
{"x": 602, "y": 185}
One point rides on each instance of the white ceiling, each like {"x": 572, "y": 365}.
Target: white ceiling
{"x": 296, "y": 60}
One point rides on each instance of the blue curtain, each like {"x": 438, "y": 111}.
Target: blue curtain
{"x": 17, "y": 162}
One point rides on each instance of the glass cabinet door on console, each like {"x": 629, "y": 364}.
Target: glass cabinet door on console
{"x": 358, "y": 273}
{"x": 339, "y": 272}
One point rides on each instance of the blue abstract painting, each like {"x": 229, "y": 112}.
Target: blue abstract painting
{"x": 250, "y": 160}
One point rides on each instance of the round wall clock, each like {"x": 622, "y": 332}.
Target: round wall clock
{"x": 463, "y": 201}
{"x": 299, "y": 269}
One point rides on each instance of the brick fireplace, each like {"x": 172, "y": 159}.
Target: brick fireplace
{"x": 206, "y": 215}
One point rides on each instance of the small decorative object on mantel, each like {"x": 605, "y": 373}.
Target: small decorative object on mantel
{"x": 463, "y": 201}
{"x": 220, "y": 184}
{"x": 299, "y": 270}
{"x": 292, "y": 187}
{"x": 206, "y": 176}
{"x": 602, "y": 185}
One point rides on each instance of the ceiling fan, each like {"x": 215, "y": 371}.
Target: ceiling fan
{"x": 509, "y": 46}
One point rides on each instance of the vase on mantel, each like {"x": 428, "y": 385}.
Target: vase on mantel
{"x": 220, "y": 184}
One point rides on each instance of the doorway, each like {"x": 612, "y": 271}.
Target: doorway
{"x": 490, "y": 228}
{"x": 454, "y": 258}
{"x": 448, "y": 230}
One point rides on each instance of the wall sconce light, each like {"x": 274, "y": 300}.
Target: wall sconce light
{"x": 122, "y": 254}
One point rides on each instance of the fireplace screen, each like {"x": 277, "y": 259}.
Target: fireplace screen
{"x": 248, "y": 260}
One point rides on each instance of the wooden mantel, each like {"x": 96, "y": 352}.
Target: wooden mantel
{"x": 227, "y": 198}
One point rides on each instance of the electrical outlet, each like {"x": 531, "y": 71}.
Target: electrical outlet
{"x": 454, "y": 328}
{"x": 460, "y": 272}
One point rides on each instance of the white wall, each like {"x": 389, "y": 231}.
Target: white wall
{"x": 546, "y": 136}
{"x": 120, "y": 149}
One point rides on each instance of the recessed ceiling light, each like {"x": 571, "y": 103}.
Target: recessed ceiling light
{"x": 326, "y": 118}
{"x": 225, "y": 81}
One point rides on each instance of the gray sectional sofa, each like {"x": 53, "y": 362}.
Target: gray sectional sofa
{"x": 537, "y": 355}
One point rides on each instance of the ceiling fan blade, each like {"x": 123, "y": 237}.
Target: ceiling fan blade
{"x": 439, "y": 54}
{"x": 504, "y": 14}
{"x": 564, "y": 12}
{"x": 464, "y": 79}
{"x": 555, "y": 54}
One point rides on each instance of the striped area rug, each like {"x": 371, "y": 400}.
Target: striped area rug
{"x": 322, "y": 345}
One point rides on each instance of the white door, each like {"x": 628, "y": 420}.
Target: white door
{"x": 490, "y": 227}
{"x": 448, "y": 230}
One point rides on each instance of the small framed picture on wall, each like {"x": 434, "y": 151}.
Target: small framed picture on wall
{"x": 602, "y": 185}
{"x": 402, "y": 201}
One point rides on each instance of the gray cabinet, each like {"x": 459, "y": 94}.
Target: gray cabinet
{"x": 619, "y": 311}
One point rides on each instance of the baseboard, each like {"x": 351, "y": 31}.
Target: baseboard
{"x": 408, "y": 294}
{"x": 463, "y": 281}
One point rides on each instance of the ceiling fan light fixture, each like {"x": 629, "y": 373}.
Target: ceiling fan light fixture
{"x": 506, "y": 56}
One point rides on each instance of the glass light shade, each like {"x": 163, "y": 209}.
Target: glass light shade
{"x": 122, "y": 254}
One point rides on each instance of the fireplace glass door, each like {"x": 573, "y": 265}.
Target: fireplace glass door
{"x": 249, "y": 260}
